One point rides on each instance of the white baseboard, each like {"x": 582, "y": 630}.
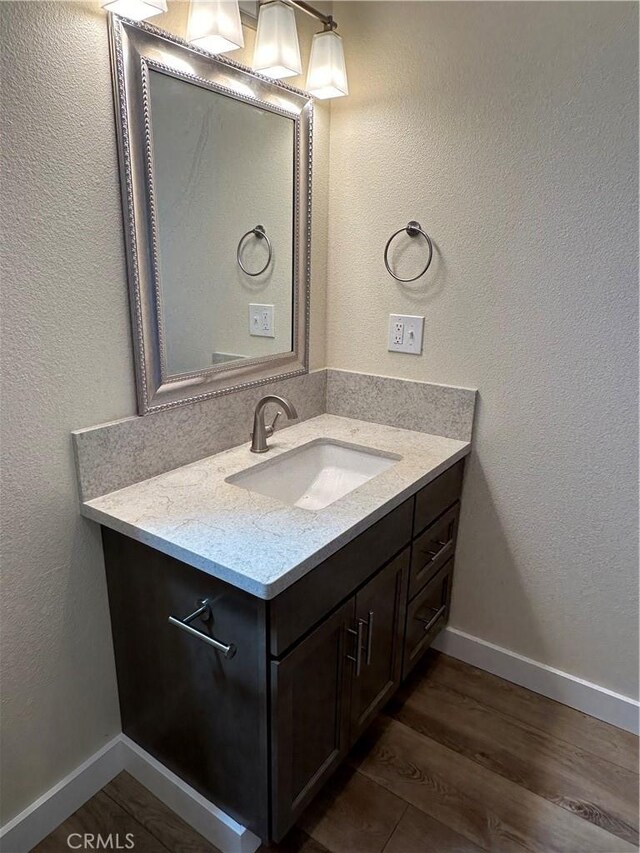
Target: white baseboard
{"x": 206, "y": 818}
{"x": 28, "y": 828}
{"x": 614, "y": 708}
{"x": 40, "y": 818}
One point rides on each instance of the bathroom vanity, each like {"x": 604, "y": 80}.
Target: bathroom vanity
{"x": 254, "y": 691}
{"x": 265, "y": 605}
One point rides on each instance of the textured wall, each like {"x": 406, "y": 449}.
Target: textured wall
{"x": 66, "y": 363}
{"x": 509, "y": 130}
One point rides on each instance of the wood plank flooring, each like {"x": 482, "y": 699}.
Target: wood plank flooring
{"x": 461, "y": 761}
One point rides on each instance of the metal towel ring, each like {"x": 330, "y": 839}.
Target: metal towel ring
{"x": 261, "y": 234}
{"x": 413, "y": 228}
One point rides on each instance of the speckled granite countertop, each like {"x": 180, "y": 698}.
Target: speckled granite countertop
{"x": 258, "y": 543}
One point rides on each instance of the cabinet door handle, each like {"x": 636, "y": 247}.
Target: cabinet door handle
{"x": 357, "y": 633}
{"x": 204, "y": 612}
{"x": 369, "y": 637}
{"x": 430, "y": 622}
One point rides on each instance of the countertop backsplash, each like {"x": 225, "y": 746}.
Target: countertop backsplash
{"x": 115, "y": 455}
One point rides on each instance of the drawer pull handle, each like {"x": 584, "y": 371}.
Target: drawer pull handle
{"x": 443, "y": 547}
{"x": 204, "y": 612}
{"x": 429, "y": 622}
{"x": 369, "y": 637}
{"x": 357, "y": 633}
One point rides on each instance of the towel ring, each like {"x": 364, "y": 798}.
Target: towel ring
{"x": 413, "y": 228}
{"x": 261, "y": 234}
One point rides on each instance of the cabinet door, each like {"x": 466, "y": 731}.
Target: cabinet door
{"x": 203, "y": 715}
{"x": 380, "y": 612}
{"x": 310, "y": 715}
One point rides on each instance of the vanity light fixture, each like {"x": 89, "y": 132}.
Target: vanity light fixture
{"x": 277, "y": 52}
{"x": 135, "y": 10}
{"x": 215, "y": 25}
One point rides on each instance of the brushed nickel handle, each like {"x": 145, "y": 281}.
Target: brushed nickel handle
{"x": 443, "y": 546}
{"x": 369, "y": 638}
{"x": 357, "y": 633}
{"x": 204, "y": 612}
{"x": 272, "y": 426}
{"x": 429, "y": 623}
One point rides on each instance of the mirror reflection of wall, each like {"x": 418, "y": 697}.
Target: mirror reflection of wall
{"x": 221, "y": 167}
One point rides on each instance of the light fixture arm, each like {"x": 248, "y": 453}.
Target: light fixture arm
{"x": 328, "y": 21}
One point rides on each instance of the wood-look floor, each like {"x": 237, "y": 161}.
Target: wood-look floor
{"x": 461, "y": 761}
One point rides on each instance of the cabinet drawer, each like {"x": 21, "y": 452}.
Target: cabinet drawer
{"x": 437, "y": 496}
{"x": 296, "y": 610}
{"x": 433, "y": 548}
{"x": 427, "y": 614}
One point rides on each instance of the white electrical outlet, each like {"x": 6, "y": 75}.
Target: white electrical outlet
{"x": 397, "y": 333}
{"x": 261, "y": 321}
{"x": 405, "y": 333}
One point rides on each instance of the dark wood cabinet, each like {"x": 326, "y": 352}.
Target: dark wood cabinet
{"x": 427, "y": 614}
{"x": 437, "y": 496}
{"x": 202, "y": 715}
{"x": 310, "y": 715}
{"x": 326, "y": 691}
{"x": 433, "y": 548}
{"x": 258, "y": 732}
{"x": 380, "y": 609}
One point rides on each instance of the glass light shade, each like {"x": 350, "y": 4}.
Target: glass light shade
{"x": 136, "y": 10}
{"x": 277, "y": 52}
{"x": 327, "y": 75}
{"x": 215, "y": 25}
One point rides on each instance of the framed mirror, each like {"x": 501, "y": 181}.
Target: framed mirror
{"x": 215, "y": 164}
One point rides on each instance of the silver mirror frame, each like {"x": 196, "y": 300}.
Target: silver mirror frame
{"x": 135, "y": 49}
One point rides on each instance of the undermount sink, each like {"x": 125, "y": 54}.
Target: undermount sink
{"x": 316, "y": 474}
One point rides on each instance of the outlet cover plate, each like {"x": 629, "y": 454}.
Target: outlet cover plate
{"x": 261, "y": 321}
{"x": 405, "y": 333}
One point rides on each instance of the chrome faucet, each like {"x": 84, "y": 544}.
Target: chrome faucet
{"x": 261, "y": 432}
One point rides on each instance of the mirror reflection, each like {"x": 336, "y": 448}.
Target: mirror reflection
{"x": 224, "y": 189}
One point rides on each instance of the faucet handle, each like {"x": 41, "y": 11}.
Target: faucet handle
{"x": 271, "y": 428}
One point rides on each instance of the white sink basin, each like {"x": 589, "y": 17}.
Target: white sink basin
{"x": 316, "y": 474}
